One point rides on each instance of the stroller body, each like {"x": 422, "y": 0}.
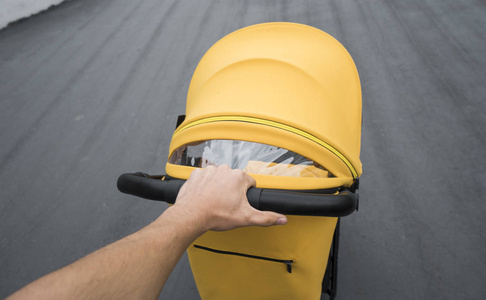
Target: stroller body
{"x": 281, "y": 101}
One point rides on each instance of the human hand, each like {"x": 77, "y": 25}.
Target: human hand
{"x": 215, "y": 197}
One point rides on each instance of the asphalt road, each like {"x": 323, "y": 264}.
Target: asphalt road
{"x": 92, "y": 89}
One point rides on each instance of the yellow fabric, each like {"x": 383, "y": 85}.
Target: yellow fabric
{"x": 305, "y": 240}
{"x": 264, "y": 168}
{"x": 284, "y": 72}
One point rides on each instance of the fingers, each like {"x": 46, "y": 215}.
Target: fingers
{"x": 249, "y": 180}
{"x": 217, "y": 197}
{"x": 267, "y": 218}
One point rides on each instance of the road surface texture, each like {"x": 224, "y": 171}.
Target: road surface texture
{"x": 92, "y": 89}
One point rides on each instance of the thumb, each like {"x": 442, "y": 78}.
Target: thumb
{"x": 267, "y": 218}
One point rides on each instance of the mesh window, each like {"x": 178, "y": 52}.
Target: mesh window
{"x": 254, "y": 158}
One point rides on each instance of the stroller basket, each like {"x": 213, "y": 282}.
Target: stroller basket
{"x": 281, "y": 101}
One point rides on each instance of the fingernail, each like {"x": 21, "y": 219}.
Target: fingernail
{"x": 282, "y": 221}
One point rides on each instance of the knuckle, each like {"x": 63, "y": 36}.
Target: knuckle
{"x": 210, "y": 167}
{"x": 239, "y": 173}
{"x": 224, "y": 167}
{"x": 196, "y": 172}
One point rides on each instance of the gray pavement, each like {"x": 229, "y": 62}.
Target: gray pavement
{"x": 91, "y": 89}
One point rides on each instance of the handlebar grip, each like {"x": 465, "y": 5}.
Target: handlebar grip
{"x": 142, "y": 185}
{"x": 281, "y": 201}
{"x": 304, "y": 204}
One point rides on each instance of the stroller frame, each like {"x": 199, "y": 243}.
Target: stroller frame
{"x": 329, "y": 282}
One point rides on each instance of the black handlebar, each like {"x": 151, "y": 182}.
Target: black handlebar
{"x": 281, "y": 201}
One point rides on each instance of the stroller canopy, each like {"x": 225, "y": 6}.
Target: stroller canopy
{"x": 281, "y": 84}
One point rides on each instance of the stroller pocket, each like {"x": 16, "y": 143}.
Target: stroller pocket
{"x": 279, "y": 262}
{"x": 287, "y": 262}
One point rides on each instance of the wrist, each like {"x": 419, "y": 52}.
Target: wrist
{"x": 183, "y": 219}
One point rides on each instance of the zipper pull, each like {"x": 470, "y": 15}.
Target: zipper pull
{"x": 289, "y": 265}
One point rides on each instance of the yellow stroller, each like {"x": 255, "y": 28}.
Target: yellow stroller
{"x": 281, "y": 101}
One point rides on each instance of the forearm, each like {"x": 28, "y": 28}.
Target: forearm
{"x": 135, "y": 267}
{"x": 138, "y": 266}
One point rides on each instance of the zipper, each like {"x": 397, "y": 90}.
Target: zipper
{"x": 287, "y": 262}
{"x": 275, "y": 125}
